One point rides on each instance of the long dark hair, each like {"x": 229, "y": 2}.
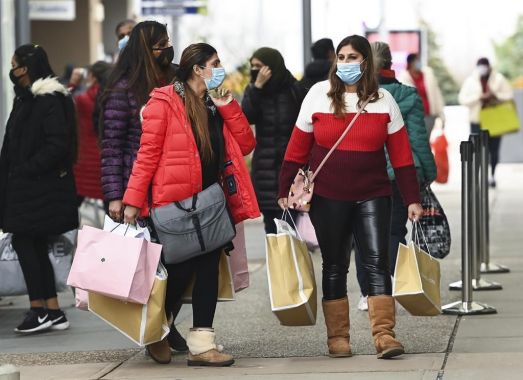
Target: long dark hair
{"x": 35, "y": 59}
{"x": 196, "y": 54}
{"x": 136, "y": 62}
{"x": 367, "y": 86}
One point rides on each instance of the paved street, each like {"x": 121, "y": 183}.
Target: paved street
{"x": 443, "y": 347}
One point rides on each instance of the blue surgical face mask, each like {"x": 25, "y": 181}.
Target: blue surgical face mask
{"x": 216, "y": 79}
{"x": 349, "y": 73}
{"x": 123, "y": 42}
{"x": 418, "y": 66}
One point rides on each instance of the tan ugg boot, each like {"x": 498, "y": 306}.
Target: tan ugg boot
{"x": 203, "y": 350}
{"x": 382, "y": 315}
{"x": 160, "y": 351}
{"x": 336, "y": 314}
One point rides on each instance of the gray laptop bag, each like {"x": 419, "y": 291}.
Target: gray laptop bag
{"x": 194, "y": 226}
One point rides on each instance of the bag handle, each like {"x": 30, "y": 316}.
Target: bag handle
{"x": 417, "y": 227}
{"x": 126, "y": 229}
{"x": 320, "y": 166}
{"x": 193, "y": 205}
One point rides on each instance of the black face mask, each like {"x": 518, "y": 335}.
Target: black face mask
{"x": 254, "y": 75}
{"x": 13, "y": 77}
{"x": 166, "y": 56}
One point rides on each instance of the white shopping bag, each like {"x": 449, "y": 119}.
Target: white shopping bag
{"x": 126, "y": 229}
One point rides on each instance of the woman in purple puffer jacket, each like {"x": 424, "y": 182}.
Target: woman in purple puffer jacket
{"x": 144, "y": 64}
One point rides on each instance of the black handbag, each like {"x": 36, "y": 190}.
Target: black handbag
{"x": 434, "y": 226}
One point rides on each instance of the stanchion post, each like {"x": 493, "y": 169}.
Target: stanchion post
{"x": 478, "y": 283}
{"x": 466, "y": 306}
{"x": 486, "y": 266}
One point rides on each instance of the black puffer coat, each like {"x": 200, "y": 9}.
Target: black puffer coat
{"x": 315, "y": 72}
{"x": 274, "y": 115}
{"x": 37, "y": 188}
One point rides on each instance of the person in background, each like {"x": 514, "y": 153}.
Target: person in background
{"x": 143, "y": 65}
{"x": 67, "y": 74}
{"x": 76, "y": 79}
{"x": 483, "y": 88}
{"x": 271, "y": 102}
{"x": 352, "y": 193}
{"x": 323, "y": 55}
{"x": 186, "y": 132}
{"x": 425, "y": 81}
{"x": 411, "y": 109}
{"x": 87, "y": 169}
{"x": 37, "y": 190}
{"x": 123, "y": 31}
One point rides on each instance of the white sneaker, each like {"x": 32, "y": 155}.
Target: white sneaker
{"x": 362, "y": 304}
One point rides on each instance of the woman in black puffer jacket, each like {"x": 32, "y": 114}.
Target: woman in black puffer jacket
{"x": 37, "y": 187}
{"x": 271, "y": 102}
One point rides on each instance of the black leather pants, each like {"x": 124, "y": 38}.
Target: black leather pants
{"x": 337, "y": 223}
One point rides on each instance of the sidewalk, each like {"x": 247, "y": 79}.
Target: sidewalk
{"x": 443, "y": 347}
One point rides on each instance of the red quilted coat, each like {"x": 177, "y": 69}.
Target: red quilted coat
{"x": 168, "y": 156}
{"x": 87, "y": 168}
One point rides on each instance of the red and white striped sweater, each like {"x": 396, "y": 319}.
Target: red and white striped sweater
{"x": 357, "y": 169}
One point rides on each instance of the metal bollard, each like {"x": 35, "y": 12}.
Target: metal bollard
{"x": 486, "y": 265}
{"x": 478, "y": 283}
{"x": 466, "y": 306}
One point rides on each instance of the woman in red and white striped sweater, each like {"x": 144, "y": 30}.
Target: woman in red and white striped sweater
{"x": 352, "y": 193}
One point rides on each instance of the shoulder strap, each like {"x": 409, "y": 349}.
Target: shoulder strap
{"x": 320, "y": 166}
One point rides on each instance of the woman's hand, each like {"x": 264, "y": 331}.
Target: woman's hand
{"x": 116, "y": 210}
{"x": 130, "y": 214}
{"x": 283, "y": 203}
{"x": 263, "y": 77}
{"x": 415, "y": 212}
{"x": 77, "y": 76}
{"x": 221, "y": 97}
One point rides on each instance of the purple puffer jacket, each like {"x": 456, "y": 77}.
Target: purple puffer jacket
{"x": 121, "y": 140}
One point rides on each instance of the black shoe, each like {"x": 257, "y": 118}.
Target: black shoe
{"x": 34, "y": 321}
{"x": 58, "y": 319}
{"x": 176, "y": 341}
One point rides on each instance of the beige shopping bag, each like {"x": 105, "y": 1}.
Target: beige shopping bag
{"x": 417, "y": 281}
{"x": 143, "y": 324}
{"x": 292, "y": 286}
{"x": 225, "y": 283}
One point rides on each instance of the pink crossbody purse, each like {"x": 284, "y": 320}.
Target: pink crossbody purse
{"x": 300, "y": 193}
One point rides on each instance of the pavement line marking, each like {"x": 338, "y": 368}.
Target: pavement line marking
{"x": 450, "y": 346}
{"x": 118, "y": 365}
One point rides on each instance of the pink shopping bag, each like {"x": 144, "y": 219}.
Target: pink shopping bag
{"x": 306, "y": 231}
{"x": 113, "y": 265}
{"x": 81, "y": 299}
{"x": 238, "y": 260}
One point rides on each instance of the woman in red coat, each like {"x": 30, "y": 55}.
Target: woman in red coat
{"x": 184, "y": 130}
{"x": 87, "y": 168}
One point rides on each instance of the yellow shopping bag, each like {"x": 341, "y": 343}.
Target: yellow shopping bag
{"x": 225, "y": 283}
{"x": 143, "y": 324}
{"x": 499, "y": 119}
{"x": 417, "y": 281}
{"x": 292, "y": 286}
